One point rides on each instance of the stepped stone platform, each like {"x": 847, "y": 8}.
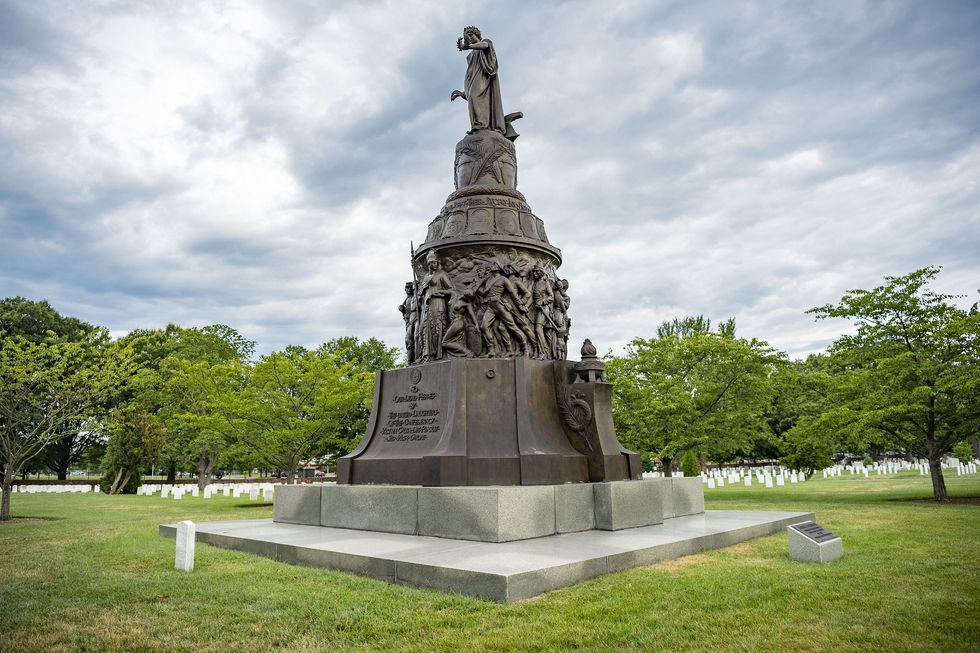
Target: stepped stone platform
{"x": 490, "y": 513}
{"x": 501, "y": 571}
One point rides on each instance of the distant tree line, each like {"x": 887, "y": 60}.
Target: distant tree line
{"x": 200, "y": 400}
{"x": 179, "y": 399}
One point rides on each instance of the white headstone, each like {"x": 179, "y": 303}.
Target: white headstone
{"x": 253, "y": 494}
{"x": 184, "y": 560}
{"x": 711, "y": 483}
{"x": 226, "y": 491}
{"x": 721, "y": 482}
{"x": 780, "y": 481}
{"x": 195, "y": 491}
{"x": 793, "y": 478}
{"x": 769, "y": 481}
{"x": 748, "y": 480}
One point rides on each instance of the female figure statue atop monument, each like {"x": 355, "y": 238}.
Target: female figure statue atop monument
{"x": 482, "y": 88}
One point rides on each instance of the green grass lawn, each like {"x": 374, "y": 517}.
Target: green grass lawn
{"x": 93, "y": 575}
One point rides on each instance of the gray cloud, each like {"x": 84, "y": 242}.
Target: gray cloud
{"x": 265, "y": 165}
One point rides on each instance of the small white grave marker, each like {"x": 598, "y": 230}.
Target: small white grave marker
{"x": 185, "y": 546}
{"x": 253, "y": 494}
{"x": 769, "y": 481}
{"x": 711, "y": 483}
{"x": 780, "y": 481}
{"x": 748, "y": 480}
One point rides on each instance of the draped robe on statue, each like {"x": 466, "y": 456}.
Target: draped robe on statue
{"x": 483, "y": 90}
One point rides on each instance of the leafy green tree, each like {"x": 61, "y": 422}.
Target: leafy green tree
{"x": 291, "y": 406}
{"x": 963, "y": 452}
{"x": 692, "y": 388}
{"x": 47, "y": 388}
{"x": 196, "y": 369}
{"x": 199, "y": 434}
{"x": 807, "y": 451}
{"x": 370, "y": 356}
{"x": 38, "y": 321}
{"x": 178, "y": 372}
{"x": 136, "y": 404}
{"x": 135, "y": 439}
{"x": 911, "y": 369}
{"x": 801, "y": 394}
{"x": 689, "y": 464}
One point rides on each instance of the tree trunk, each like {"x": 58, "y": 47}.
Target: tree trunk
{"x": 8, "y": 481}
{"x": 205, "y": 465}
{"x": 62, "y": 470}
{"x": 115, "y": 482}
{"x": 668, "y": 464}
{"x": 172, "y": 474}
{"x": 938, "y": 483}
{"x": 125, "y": 482}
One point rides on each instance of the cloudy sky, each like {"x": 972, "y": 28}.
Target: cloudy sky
{"x": 266, "y": 164}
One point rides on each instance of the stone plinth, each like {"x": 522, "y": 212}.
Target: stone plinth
{"x": 296, "y": 504}
{"x": 629, "y": 505}
{"x": 489, "y": 513}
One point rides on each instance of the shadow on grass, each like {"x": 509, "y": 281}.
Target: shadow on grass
{"x": 253, "y": 505}
{"x": 29, "y": 520}
{"x": 961, "y": 501}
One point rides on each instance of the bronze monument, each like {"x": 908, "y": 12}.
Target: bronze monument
{"x": 488, "y": 397}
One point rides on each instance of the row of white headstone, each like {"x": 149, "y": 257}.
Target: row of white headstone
{"x": 968, "y": 468}
{"x": 235, "y": 490}
{"x": 769, "y": 476}
{"x": 53, "y": 489}
{"x": 889, "y": 467}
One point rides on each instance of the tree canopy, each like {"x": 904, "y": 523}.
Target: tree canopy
{"x": 692, "y": 388}
{"x": 910, "y": 373}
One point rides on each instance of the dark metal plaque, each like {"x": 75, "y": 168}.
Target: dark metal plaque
{"x": 814, "y": 531}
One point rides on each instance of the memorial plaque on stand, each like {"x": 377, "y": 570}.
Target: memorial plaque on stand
{"x": 811, "y": 542}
